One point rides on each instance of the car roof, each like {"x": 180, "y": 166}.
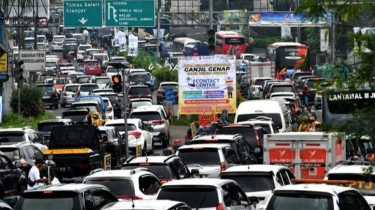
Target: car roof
{"x": 349, "y": 169}
{"x": 141, "y": 205}
{"x": 87, "y": 84}
{"x": 332, "y": 189}
{"x": 16, "y": 145}
{"x": 198, "y": 182}
{"x": 169, "y": 83}
{"x": 121, "y": 121}
{"x": 135, "y": 86}
{"x": 150, "y": 159}
{"x": 119, "y": 173}
{"x": 79, "y": 188}
{"x": 255, "y": 168}
{"x": 216, "y": 137}
{"x": 55, "y": 120}
{"x": 218, "y": 146}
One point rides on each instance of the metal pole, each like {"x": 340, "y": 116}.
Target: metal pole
{"x": 125, "y": 102}
{"x": 19, "y": 99}
{"x": 333, "y": 44}
{"x": 158, "y": 32}
{"x": 211, "y": 11}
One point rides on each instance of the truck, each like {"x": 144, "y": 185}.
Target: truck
{"x": 309, "y": 155}
{"x": 76, "y": 150}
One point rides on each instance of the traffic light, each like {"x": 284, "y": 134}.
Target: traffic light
{"x": 19, "y": 72}
{"x": 117, "y": 86}
{"x": 211, "y": 40}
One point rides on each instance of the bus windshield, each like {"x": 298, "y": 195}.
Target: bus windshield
{"x": 288, "y": 56}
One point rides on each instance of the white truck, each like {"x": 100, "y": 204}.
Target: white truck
{"x": 309, "y": 155}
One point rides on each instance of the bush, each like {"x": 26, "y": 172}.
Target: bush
{"x": 31, "y": 101}
{"x": 164, "y": 74}
{"x": 143, "y": 60}
{"x": 14, "y": 120}
{"x": 263, "y": 42}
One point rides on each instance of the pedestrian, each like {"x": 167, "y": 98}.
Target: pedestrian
{"x": 34, "y": 179}
{"x": 287, "y": 79}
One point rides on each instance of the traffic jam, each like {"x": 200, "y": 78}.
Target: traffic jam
{"x": 272, "y": 155}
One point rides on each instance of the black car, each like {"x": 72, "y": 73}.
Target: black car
{"x": 45, "y": 127}
{"x": 117, "y": 109}
{"x": 50, "y": 96}
{"x": 77, "y": 116}
{"x": 24, "y": 152}
{"x": 13, "y": 179}
{"x": 139, "y": 91}
{"x": 141, "y": 78}
{"x": 66, "y": 196}
{"x": 70, "y": 47}
{"x": 161, "y": 91}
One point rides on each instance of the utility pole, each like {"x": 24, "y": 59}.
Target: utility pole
{"x": 158, "y": 30}
{"x": 211, "y": 15}
{"x": 36, "y": 27}
{"x": 333, "y": 44}
{"x": 125, "y": 102}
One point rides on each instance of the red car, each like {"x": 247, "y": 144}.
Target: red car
{"x": 92, "y": 67}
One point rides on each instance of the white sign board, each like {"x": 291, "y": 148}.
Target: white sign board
{"x": 133, "y": 45}
{"x": 15, "y": 11}
{"x": 324, "y": 36}
{"x": 33, "y": 60}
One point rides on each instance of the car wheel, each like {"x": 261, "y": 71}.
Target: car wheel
{"x": 62, "y": 105}
{"x": 56, "y": 106}
{"x": 144, "y": 150}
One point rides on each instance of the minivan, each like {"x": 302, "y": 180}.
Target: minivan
{"x": 272, "y": 108}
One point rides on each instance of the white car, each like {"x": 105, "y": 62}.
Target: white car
{"x": 18, "y": 135}
{"x": 127, "y": 184}
{"x": 138, "y": 134}
{"x": 68, "y": 94}
{"x": 102, "y": 81}
{"x": 282, "y": 95}
{"x": 110, "y": 71}
{"x": 52, "y": 58}
{"x": 42, "y": 39}
{"x": 109, "y": 109}
{"x": 264, "y": 122}
{"x": 81, "y": 51}
{"x": 57, "y": 42}
{"x": 146, "y": 205}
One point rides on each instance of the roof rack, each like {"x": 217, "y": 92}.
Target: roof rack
{"x": 169, "y": 157}
{"x": 136, "y": 170}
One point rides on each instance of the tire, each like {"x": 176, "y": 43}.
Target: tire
{"x": 62, "y": 105}
{"x": 144, "y": 150}
{"x": 56, "y": 106}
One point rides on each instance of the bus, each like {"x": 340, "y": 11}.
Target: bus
{"x": 338, "y": 105}
{"x": 181, "y": 42}
{"x": 288, "y": 56}
{"x": 230, "y": 43}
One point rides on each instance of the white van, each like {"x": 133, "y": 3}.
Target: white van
{"x": 272, "y": 108}
{"x": 57, "y": 42}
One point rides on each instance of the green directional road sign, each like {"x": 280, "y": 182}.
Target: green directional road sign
{"x": 83, "y": 13}
{"x": 131, "y": 13}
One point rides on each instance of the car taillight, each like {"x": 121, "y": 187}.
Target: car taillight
{"x": 65, "y": 94}
{"x": 136, "y": 134}
{"x": 257, "y": 139}
{"x": 220, "y": 207}
{"x": 109, "y": 109}
{"x": 130, "y": 197}
{"x": 319, "y": 93}
{"x": 163, "y": 181}
{"x": 149, "y": 95}
{"x": 160, "y": 92}
{"x": 223, "y": 166}
{"x": 158, "y": 122}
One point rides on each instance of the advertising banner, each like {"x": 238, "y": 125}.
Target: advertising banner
{"x": 133, "y": 45}
{"x": 274, "y": 19}
{"x": 207, "y": 84}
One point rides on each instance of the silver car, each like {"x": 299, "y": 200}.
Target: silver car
{"x": 86, "y": 88}
{"x": 68, "y": 94}
{"x": 255, "y": 85}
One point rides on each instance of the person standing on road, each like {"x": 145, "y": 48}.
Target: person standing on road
{"x": 34, "y": 175}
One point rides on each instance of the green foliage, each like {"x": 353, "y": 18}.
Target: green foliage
{"x": 263, "y": 42}
{"x": 164, "y": 74}
{"x": 143, "y": 60}
{"x": 31, "y": 101}
{"x": 312, "y": 37}
{"x": 204, "y": 38}
{"x": 13, "y": 120}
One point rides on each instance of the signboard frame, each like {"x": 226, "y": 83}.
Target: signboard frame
{"x": 107, "y": 162}
{"x": 28, "y": 66}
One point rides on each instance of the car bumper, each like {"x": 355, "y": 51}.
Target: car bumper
{"x": 67, "y": 100}
{"x": 160, "y": 98}
{"x": 50, "y": 102}
{"x": 255, "y": 94}
{"x": 79, "y": 57}
{"x": 56, "y": 47}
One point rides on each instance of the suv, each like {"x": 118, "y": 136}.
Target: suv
{"x": 85, "y": 88}
{"x": 17, "y": 135}
{"x": 117, "y": 109}
{"x": 68, "y": 94}
{"x": 237, "y": 142}
{"x": 81, "y": 51}
{"x": 255, "y": 85}
{"x": 45, "y": 127}
{"x": 139, "y": 91}
{"x": 265, "y": 122}
{"x": 94, "y": 106}
{"x": 12, "y": 180}
{"x": 66, "y": 196}
{"x": 57, "y": 42}
{"x": 159, "y": 119}
{"x": 259, "y": 180}
{"x": 166, "y": 168}
{"x": 69, "y": 47}
{"x": 161, "y": 91}
{"x": 103, "y": 59}
{"x": 205, "y": 193}
{"x": 280, "y": 87}
{"x": 266, "y": 87}
{"x": 209, "y": 160}
{"x": 50, "y": 96}
{"x": 147, "y": 205}
{"x": 133, "y": 184}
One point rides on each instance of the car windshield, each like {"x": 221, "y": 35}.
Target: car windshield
{"x": 45, "y": 88}
{"x": 71, "y": 88}
{"x": 139, "y": 91}
{"x": 121, "y": 128}
{"x": 83, "y": 48}
{"x": 276, "y": 117}
{"x": 119, "y": 187}
{"x": 59, "y": 39}
{"x": 47, "y": 127}
{"x": 146, "y": 116}
{"x": 70, "y": 47}
{"x": 47, "y": 201}
{"x": 140, "y": 77}
{"x": 83, "y": 79}
{"x": 88, "y": 88}
{"x": 260, "y": 82}
{"x": 112, "y": 70}
{"x": 91, "y": 63}
{"x": 162, "y": 171}
{"x": 300, "y": 200}
{"x": 12, "y": 153}
{"x": 195, "y": 196}
{"x": 84, "y": 107}
{"x": 135, "y": 104}
{"x": 12, "y": 137}
{"x": 101, "y": 57}
{"x": 41, "y": 46}
{"x": 169, "y": 86}
{"x": 102, "y": 80}
{"x": 279, "y": 88}
{"x": 201, "y": 156}
{"x": 29, "y": 41}
{"x": 252, "y": 182}
{"x": 51, "y": 64}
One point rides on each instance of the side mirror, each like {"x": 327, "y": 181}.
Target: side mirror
{"x": 194, "y": 172}
{"x": 257, "y": 150}
{"x": 254, "y": 200}
{"x": 18, "y": 164}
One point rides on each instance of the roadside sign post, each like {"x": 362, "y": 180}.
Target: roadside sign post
{"x": 83, "y": 13}
{"x": 34, "y": 61}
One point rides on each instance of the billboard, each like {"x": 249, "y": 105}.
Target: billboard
{"x": 274, "y": 19}
{"x": 207, "y": 84}
{"x": 34, "y": 60}
{"x": 16, "y": 11}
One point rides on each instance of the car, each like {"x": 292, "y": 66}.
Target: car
{"x": 70, "y": 41}
{"x": 282, "y": 95}
{"x": 111, "y": 132}
{"x": 166, "y": 168}
{"x": 209, "y": 159}
{"x": 136, "y": 102}
{"x": 85, "y": 88}
{"x": 79, "y": 37}
{"x": 109, "y": 109}
{"x": 265, "y": 122}
{"x": 139, "y": 91}
{"x": 94, "y": 106}
{"x": 266, "y": 86}
{"x": 127, "y": 184}
{"x": 42, "y": 39}
{"x": 205, "y": 193}
{"x": 161, "y": 91}
{"x": 29, "y": 43}
{"x": 147, "y": 205}
{"x": 117, "y": 109}
{"x": 50, "y": 95}
{"x": 13, "y": 180}
{"x": 141, "y": 78}
{"x": 237, "y": 142}
{"x": 66, "y": 196}
{"x": 299, "y": 73}
{"x": 17, "y": 135}
{"x": 157, "y": 116}
{"x": 45, "y": 127}
{"x": 110, "y": 71}
{"x": 259, "y": 180}
{"x": 57, "y": 42}
{"x": 138, "y": 134}
{"x": 74, "y": 75}
{"x": 81, "y": 51}
{"x": 92, "y": 67}
{"x": 88, "y": 55}
{"x": 102, "y": 81}
{"x": 281, "y": 87}
{"x": 69, "y": 48}
{"x": 103, "y": 58}
{"x": 42, "y": 46}
{"x": 68, "y": 94}
{"x": 255, "y": 85}
{"x": 51, "y": 67}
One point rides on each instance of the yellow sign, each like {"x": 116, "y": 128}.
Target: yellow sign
{"x": 107, "y": 162}
{"x": 4, "y": 63}
{"x": 138, "y": 150}
{"x": 65, "y": 151}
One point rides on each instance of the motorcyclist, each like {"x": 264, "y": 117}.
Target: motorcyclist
{"x": 69, "y": 57}
{"x": 198, "y": 129}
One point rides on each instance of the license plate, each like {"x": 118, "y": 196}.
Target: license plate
{"x": 62, "y": 168}
{"x": 45, "y": 97}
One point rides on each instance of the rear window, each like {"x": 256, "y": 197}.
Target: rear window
{"x": 169, "y": 86}
{"x": 201, "y": 156}
{"x": 260, "y": 82}
{"x": 102, "y": 80}
{"x": 83, "y": 79}
{"x": 70, "y": 47}
{"x": 162, "y": 171}
{"x": 88, "y": 88}
{"x": 279, "y": 88}
{"x": 48, "y": 201}
{"x": 135, "y": 104}
{"x": 12, "y": 153}
{"x": 121, "y": 127}
{"x": 45, "y": 88}
{"x": 194, "y": 196}
{"x": 276, "y": 118}
{"x": 140, "y": 77}
{"x": 252, "y": 182}
{"x": 92, "y": 52}
{"x": 300, "y": 200}
{"x": 112, "y": 70}
{"x": 112, "y": 98}
{"x": 91, "y": 63}
{"x": 247, "y": 132}
{"x": 71, "y": 88}
{"x": 47, "y": 127}
{"x": 84, "y": 107}
{"x": 146, "y": 116}
{"x": 12, "y": 137}
{"x": 83, "y": 48}
{"x": 139, "y": 91}
{"x": 100, "y": 57}
{"x": 119, "y": 187}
